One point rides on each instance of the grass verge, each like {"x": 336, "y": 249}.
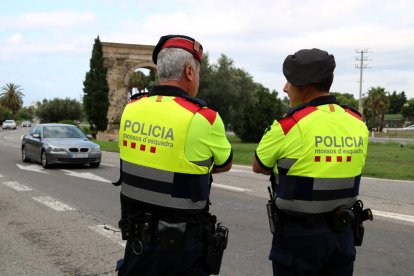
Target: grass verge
{"x": 390, "y": 160}
{"x": 384, "y": 160}
{"x": 108, "y": 145}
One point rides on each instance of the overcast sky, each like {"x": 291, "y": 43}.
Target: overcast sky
{"x": 46, "y": 45}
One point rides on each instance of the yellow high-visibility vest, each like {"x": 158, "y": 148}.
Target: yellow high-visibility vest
{"x": 154, "y": 168}
{"x": 317, "y": 154}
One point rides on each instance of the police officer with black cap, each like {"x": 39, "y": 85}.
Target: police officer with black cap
{"x": 170, "y": 143}
{"x": 314, "y": 156}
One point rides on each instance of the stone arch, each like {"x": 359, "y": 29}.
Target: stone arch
{"x": 121, "y": 61}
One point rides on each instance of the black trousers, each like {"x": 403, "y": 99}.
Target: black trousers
{"x": 155, "y": 260}
{"x": 312, "y": 251}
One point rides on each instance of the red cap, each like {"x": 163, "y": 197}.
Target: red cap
{"x": 179, "y": 41}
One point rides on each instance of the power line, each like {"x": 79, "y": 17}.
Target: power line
{"x": 361, "y": 67}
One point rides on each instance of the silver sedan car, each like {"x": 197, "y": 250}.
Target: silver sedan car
{"x": 51, "y": 144}
{"x": 409, "y": 128}
{"x": 10, "y": 124}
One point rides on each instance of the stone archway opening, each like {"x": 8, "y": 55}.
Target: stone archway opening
{"x": 140, "y": 80}
{"x": 122, "y": 60}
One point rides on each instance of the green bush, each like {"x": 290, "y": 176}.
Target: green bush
{"x": 86, "y": 130}
{"x": 5, "y": 113}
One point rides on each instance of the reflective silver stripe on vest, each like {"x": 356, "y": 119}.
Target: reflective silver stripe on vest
{"x": 319, "y": 206}
{"x": 286, "y": 163}
{"x": 205, "y": 163}
{"x": 330, "y": 184}
{"x": 161, "y": 199}
{"x": 314, "y": 207}
{"x": 146, "y": 172}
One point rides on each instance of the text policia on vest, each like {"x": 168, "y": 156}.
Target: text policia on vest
{"x": 141, "y": 132}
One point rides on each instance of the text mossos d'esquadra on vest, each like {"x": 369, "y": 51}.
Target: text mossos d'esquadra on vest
{"x": 339, "y": 144}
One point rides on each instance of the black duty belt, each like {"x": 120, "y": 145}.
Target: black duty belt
{"x": 339, "y": 220}
{"x": 146, "y": 232}
{"x": 307, "y": 220}
{"x": 193, "y": 231}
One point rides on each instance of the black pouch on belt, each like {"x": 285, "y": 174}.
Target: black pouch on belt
{"x": 171, "y": 235}
{"x": 341, "y": 219}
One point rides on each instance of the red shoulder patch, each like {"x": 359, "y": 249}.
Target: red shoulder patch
{"x": 289, "y": 122}
{"x": 192, "y": 107}
{"x": 209, "y": 114}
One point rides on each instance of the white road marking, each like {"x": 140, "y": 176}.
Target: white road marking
{"x": 242, "y": 171}
{"x": 396, "y": 216}
{"x": 33, "y": 168}
{"x": 384, "y": 179}
{"x": 87, "y": 175}
{"x": 7, "y": 137}
{"x": 241, "y": 166}
{"x": 53, "y": 203}
{"x": 110, "y": 232}
{"x": 17, "y": 186}
{"x": 230, "y": 188}
{"x": 109, "y": 165}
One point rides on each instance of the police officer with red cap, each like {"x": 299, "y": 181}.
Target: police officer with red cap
{"x": 315, "y": 155}
{"x": 170, "y": 143}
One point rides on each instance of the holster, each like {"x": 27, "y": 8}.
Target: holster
{"x": 273, "y": 213}
{"x": 360, "y": 215}
{"x": 216, "y": 243}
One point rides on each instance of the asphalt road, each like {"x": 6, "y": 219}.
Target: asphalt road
{"x": 61, "y": 221}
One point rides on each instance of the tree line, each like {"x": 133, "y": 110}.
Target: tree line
{"x": 246, "y": 107}
{"x": 380, "y": 102}
{"x": 11, "y": 103}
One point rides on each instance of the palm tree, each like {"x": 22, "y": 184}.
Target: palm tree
{"x": 137, "y": 80}
{"x": 375, "y": 106}
{"x": 12, "y": 97}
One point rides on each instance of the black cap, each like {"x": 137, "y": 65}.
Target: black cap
{"x": 186, "y": 43}
{"x": 308, "y": 66}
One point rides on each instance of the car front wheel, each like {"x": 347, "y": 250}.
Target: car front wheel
{"x": 24, "y": 156}
{"x": 44, "y": 162}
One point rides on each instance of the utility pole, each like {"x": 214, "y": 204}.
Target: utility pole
{"x": 360, "y": 57}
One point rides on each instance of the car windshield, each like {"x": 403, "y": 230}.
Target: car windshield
{"x": 62, "y": 132}
{"x": 9, "y": 121}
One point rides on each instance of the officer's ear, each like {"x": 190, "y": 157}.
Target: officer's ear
{"x": 189, "y": 72}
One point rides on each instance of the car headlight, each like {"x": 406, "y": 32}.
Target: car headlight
{"x": 96, "y": 149}
{"x": 56, "y": 149}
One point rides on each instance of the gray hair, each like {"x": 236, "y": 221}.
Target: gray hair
{"x": 171, "y": 63}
